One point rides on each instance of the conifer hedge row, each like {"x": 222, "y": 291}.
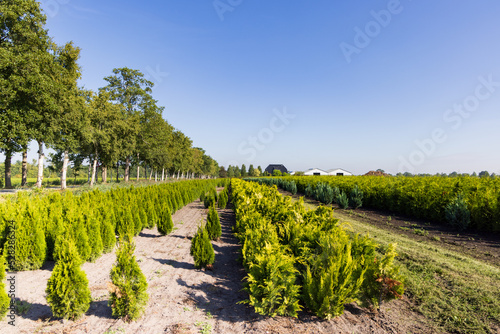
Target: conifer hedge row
{"x": 423, "y": 197}
{"x": 296, "y": 258}
{"x": 36, "y": 224}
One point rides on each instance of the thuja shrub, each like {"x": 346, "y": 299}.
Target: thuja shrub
{"x": 333, "y": 276}
{"x": 108, "y": 236}
{"x": 457, "y": 214}
{"x": 209, "y": 201}
{"x": 356, "y": 198}
{"x": 202, "y": 250}
{"x": 223, "y": 198}
{"x": 271, "y": 283}
{"x": 68, "y": 294}
{"x": 213, "y": 227}
{"x": 342, "y": 200}
{"x": 165, "y": 223}
{"x": 95, "y": 239}
{"x": 4, "y": 298}
{"x": 128, "y": 287}
{"x": 383, "y": 281}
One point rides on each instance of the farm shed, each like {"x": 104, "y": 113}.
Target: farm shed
{"x": 338, "y": 172}
{"x": 315, "y": 171}
{"x": 270, "y": 169}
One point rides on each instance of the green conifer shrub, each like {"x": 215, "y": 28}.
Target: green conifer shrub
{"x": 95, "y": 239}
{"x": 165, "y": 224}
{"x": 333, "y": 275}
{"x": 221, "y": 204}
{"x": 202, "y": 250}
{"x": 81, "y": 238}
{"x": 137, "y": 221}
{"x": 4, "y": 298}
{"x": 128, "y": 287}
{"x": 382, "y": 281}
{"x": 457, "y": 214}
{"x": 356, "y": 198}
{"x": 213, "y": 227}
{"x": 108, "y": 236}
{"x": 271, "y": 283}
{"x": 342, "y": 200}
{"x": 209, "y": 201}
{"x": 68, "y": 294}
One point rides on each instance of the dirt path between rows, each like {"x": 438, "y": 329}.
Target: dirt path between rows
{"x": 185, "y": 300}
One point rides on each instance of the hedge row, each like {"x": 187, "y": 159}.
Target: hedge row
{"x": 421, "y": 197}
{"x": 31, "y": 225}
{"x": 296, "y": 258}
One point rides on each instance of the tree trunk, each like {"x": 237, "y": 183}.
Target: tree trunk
{"x": 127, "y": 169}
{"x": 41, "y": 156}
{"x": 150, "y": 174}
{"x": 178, "y": 171}
{"x": 94, "y": 171}
{"x": 8, "y": 166}
{"x": 64, "y": 170}
{"x": 104, "y": 171}
{"x": 156, "y": 175}
{"x": 138, "y": 168}
{"x": 117, "y": 171}
{"x": 145, "y": 172}
{"x": 24, "y": 173}
{"x": 163, "y": 174}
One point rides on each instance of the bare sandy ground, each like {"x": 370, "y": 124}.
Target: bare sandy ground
{"x": 185, "y": 300}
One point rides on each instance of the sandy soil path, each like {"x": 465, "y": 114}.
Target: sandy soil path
{"x": 186, "y": 300}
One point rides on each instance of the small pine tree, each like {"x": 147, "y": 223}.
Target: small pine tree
{"x": 137, "y": 222}
{"x": 213, "y": 224}
{"x": 165, "y": 224}
{"x": 68, "y": 294}
{"x": 128, "y": 289}
{"x": 4, "y": 298}
{"x": 201, "y": 249}
{"x": 356, "y": 199}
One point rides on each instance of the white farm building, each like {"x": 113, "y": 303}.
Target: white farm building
{"x": 336, "y": 172}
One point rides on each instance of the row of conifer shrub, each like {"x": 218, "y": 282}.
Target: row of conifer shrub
{"x": 30, "y": 224}
{"x": 296, "y": 258}
{"x": 423, "y": 197}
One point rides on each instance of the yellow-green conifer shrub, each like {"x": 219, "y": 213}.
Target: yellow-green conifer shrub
{"x": 4, "y": 298}
{"x": 95, "y": 239}
{"x": 137, "y": 222}
{"x": 201, "y": 249}
{"x": 213, "y": 224}
{"x": 128, "y": 290}
{"x": 383, "y": 281}
{"x": 108, "y": 235}
{"x": 68, "y": 294}
{"x": 165, "y": 223}
{"x": 81, "y": 238}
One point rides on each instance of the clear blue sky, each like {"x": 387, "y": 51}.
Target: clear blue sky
{"x": 398, "y": 85}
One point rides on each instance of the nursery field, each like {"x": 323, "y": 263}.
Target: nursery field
{"x": 186, "y": 300}
{"x": 282, "y": 264}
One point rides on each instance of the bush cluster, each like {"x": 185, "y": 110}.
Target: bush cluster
{"x": 296, "y": 257}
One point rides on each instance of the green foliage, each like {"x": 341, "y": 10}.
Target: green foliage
{"x": 213, "y": 227}
{"x": 68, "y": 294}
{"x": 81, "y": 238}
{"x": 333, "y": 275}
{"x": 356, "y": 198}
{"x": 201, "y": 249}
{"x": 95, "y": 239}
{"x": 209, "y": 201}
{"x": 457, "y": 214}
{"x": 271, "y": 283}
{"x": 128, "y": 290}
{"x": 383, "y": 282}
{"x": 342, "y": 200}
{"x": 108, "y": 236}
{"x": 277, "y": 172}
{"x": 4, "y": 298}
{"x": 223, "y": 199}
{"x": 165, "y": 224}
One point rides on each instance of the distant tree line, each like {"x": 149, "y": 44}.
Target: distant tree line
{"x": 119, "y": 126}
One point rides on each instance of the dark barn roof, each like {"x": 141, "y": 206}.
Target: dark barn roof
{"x": 281, "y": 168}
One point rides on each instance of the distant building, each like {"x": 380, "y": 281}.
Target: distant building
{"x": 338, "y": 172}
{"x": 315, "y": 171}
{"x": 271, "y": 168}
{"x": 335, "y": 172}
